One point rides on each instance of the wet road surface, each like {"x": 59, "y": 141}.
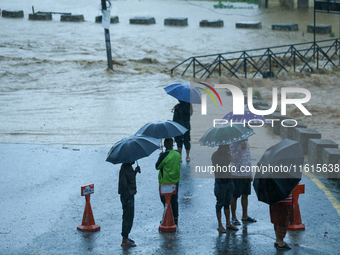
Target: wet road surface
{"x": 42, "y": 207}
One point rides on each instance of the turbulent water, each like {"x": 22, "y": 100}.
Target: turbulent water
{"x": 55, "y": 87}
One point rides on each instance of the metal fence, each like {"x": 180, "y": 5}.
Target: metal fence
{"x": 264, "y": 61}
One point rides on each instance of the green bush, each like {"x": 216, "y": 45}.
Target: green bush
{"x": 257, "y": 94}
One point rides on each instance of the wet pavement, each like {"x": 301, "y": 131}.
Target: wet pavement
{"x": 42, "y": 207}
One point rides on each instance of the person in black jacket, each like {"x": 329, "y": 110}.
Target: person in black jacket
{"x": 127, "y": 190}
{"x": 182, "y": 113}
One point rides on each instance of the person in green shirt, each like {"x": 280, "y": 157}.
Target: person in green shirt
{"x": 169, "y": 166}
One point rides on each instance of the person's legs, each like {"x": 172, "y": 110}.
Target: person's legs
{"x": 244, "y": 203}
{"x": 227, "y": 216}
{"x": 279, "y": 241}
{"x": 219, "y": 220}
{"x": 128, "y": 215}
{"x": 233, "y": 205}
{"x": 236, "y": 195}
{"x": 245, "y": 190}
{"x": 187, "y": 145}
{"x": 179, "y": 142}
{"x": 180, "y": 151}
{"x": 218, "y": 190}
{"x": 162, "y": 200}
{"x": 228, "y": 197}
{"x": 280, "y": 233}
{"x": 280, "y": 217}
{"x": 174, "y": 206}
{"x": 188, "y": 155}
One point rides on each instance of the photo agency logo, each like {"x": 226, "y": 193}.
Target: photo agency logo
{"x": 204, "y": 97}
{"x": 239, "y": 104}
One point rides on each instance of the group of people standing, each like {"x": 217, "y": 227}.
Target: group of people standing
{"x": 169, "y": 166}
{"x": 228, "y": 186}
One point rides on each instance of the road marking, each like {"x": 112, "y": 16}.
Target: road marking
{"x": 329, "y": 195}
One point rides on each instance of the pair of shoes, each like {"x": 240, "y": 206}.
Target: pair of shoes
{"x": 232, "y": 227}
{"x": 221, "y": 230}
{"x": 129, "y": 244}
{"x": 285, "y": 247}
{"x": 235, "y": 222}
{"x": 188, "y": 159}
{"x": 249, "y": 220}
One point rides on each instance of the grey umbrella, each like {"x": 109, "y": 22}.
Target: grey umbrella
{"x": 283, "y": 172}
{"x": 162, "y": 129}
{"x": 132, "y": 148}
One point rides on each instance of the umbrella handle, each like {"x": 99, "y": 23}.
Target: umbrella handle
{"x": 161, "y": 147}
{"x": 137, "y": 162}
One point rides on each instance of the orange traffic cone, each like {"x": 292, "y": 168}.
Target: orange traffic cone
{"x": 168, "y": 223}
{"x": 88, "y": 223}
{"x": 295, "y": 223}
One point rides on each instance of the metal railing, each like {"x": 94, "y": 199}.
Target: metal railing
{"x": 294, "y": 57}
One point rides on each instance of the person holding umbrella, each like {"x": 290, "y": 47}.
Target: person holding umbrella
{"x": 127, "y": 190}
{"x": 224, "y": 186}
{"x": 187, "y": 95}
{"x": 223, "y": 136}
{"x": 169, "y": 166}
{"x": 275, "y": 187}
{"x": 182, "y": 113}
{"x": 127, "y": 151}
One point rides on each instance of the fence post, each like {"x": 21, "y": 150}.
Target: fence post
{"x": 193, "y": 64}
{"x": 317, "y": 57}
{"x": 245, "y": 67}
{"x": 107, "y": 40}
{"x": 219, "y": 64}
{"x": 336, "y": 46}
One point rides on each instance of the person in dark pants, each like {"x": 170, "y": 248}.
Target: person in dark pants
{"x": 127, "y": 190}
{"x": 169, "y": 166}
{"x": 224, "y": 186}
{"x": 240, "y": 152}
{"x": 182, "y": 113}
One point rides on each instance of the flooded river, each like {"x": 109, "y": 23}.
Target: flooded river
{"x": 55, "y": 87}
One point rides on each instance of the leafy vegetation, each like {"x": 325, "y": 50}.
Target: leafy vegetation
{"x": 257, "y": 94}
{"x": 230, "y": 6}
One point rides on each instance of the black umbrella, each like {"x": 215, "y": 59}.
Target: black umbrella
{"x": 132, "y": 148}
{"x": 279, "y": 171}
{"x": 162, "y": 129}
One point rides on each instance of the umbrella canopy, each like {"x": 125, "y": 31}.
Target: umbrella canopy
{"x": 248, "y": 115}
{"x": 282, "y": 164}
{"x": 162, "y": 129}
{"x": 184, "y": 92}
{"x": 285, "y": 153}
{"x": 225, "y": 134}
{"x": 132, "y": 148}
